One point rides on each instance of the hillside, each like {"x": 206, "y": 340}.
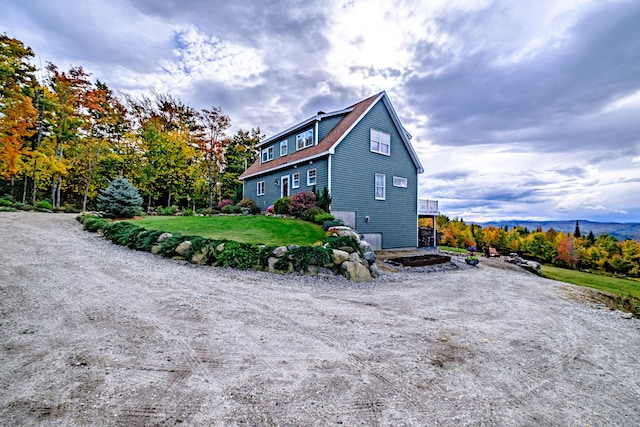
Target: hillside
{"x": 621, "y": 231}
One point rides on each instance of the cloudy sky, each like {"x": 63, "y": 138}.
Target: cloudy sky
{"x": 527, "y": 110}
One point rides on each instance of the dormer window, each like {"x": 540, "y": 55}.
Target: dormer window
{"x": 267, "y": 154}
{"x": 304, "y": 139}
{"x": 283, "y": 148}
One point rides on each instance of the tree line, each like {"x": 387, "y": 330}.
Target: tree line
{"x": 569, "y": 250}
{"x": 66, "y": 137}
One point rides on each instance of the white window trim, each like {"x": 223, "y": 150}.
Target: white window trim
{"x": 260, "y": 188}
{"x": 315, "y": 177}
{"x": 384, "y": 186}
{"x": 284, "y": 144}
{"x": 399, "y": 181}
{"x": 295, "y": 180}
{"x": 378, "y": 139}
{"x": 303, "y": 139}
{"x": 269, "y": 154}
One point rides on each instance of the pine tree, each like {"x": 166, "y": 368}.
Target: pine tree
{"x": 120, "y": 200}
{"x": 576, "y": 233}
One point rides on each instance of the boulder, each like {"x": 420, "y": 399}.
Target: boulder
{"x": 354, "y": 257}
{"x": 347, "y": 249}
{"x": 220, "y": 247}
{"x": 183, "y": 248}
{"x": 340, "y": 256}
{"x": 355, "y": 272}
{"x": 199, "y": 258}
{"x": 164, "y": 236}
{"x": 370, "y": 257}
{"x": 374, "y": 271}
{"x": 155, "y": 249}
{"x": 314, "y": 270}
{"x": 279, "y": 252}
{"x": 365, "y": 247}
{"x": 292, "y": 247}
{"x": 272, "y": 265}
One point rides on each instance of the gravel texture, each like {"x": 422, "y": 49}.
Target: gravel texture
{"x": 96, "y": 334}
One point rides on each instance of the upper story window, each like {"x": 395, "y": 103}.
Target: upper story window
{"x": 267, "y": 154}
{"x": 295, "y": 180}
{"x": 304, "y": 139}
{"x": 311, "y": 177}
{"x": 380, "y": 142}
{"x": 381, "y": 193}
{"x": 399, "y": 182}
{"x": 283, "y": 148}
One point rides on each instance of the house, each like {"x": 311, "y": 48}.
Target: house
{"x": 364, "y": 157}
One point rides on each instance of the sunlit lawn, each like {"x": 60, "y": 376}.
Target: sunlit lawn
{"x": 258, "y": 229}
{"x": 611, "y": 285}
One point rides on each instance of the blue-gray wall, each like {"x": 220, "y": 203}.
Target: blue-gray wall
{"x": 353, "y": 169}
{"x": 272, "y": 191}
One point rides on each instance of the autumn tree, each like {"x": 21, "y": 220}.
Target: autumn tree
{"x": 17, "y": 113}
{"x": 212, "y": 124}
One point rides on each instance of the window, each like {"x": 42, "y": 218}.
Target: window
{"x": 283, "y": 148}
{"x": 267, "y": 154}
{"x": 311, "y": 177}
{"x": 304, "y": 139}
{"x": 399, "y": 182}
{"x": 295, "y": 180}
{"x": 260, "y": 188}
{"x": 380, "y": 142}
{"x": 380, "y": 186}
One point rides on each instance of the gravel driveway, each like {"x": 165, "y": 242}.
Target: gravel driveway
{"x": 96, "y": 334}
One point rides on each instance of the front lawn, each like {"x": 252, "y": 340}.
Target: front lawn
{"x": 258, "y": 229}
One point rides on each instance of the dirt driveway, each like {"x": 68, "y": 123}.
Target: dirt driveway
{"x": 96, "y": 334}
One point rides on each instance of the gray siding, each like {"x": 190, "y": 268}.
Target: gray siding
{"x": 353, "y": 182}
{"x": 325, "y": 126}
{"x": 272, "y": 191}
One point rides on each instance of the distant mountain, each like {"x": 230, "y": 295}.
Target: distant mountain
{"x": 620, "y": 231}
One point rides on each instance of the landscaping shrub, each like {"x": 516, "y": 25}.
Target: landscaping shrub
{"x": 169, "y": 210}
{"x": 224, "y": 202}
{"x": 238, "y": 255}
{"x": 231, "y": 209}
{"x": 210, "y": 211}
{"x": 336, "y": 242}
{"x": 93, "y": 224}
{"x": 5, "y": 202}
{"x": 304, "y": 256}
{"x": 281, "y": 206}
{"x": 186, "y": 212}
{"x": 146, "y": 239}
{"x": 23, "y": 206}
{"x": 120, "y": 200}
{"x": 300, "y": 202}
{"x": 44, "y": 206}
{"x": 324, "y": 199}
{"x": 249, "y": 204}
{"x": 122, "y": 233}
{"x": 331, "y": 223}
{"x": 168, "y": 247}
{"x": 310, "y": 213}
{"x": 323, "y": 217}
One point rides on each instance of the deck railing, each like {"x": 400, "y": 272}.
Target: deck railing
{"x": 428, "y": 207}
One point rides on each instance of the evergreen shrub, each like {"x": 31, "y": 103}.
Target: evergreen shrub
{"x": 336, "y": 242}
{"x": 331, "y": 223}
{"x": 281, "y": 206}
{"x": 120, "y": 200}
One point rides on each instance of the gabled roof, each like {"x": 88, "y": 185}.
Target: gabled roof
{"x": 328, "y": 144}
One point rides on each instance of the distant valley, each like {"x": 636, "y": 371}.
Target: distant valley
{"x": 620, "y": 231}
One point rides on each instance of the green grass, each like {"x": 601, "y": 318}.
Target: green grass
{"x": 611, "y": 285}
{"x": 452, "y": 249}
{"x": 257, "y": 229}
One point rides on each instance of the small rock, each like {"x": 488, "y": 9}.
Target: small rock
{"x": 374, "y": 271}
{"x": 292, "y": 247}
{"x": 279, "y": 252}
{"x": 199, "y": 258}
{"x": 183, "y": 248}
{"x": 155, "y": 249}
{"x": 220, "y": 247}
{"x": 347, "y": 249}
{"x": 370, "y": 257}
{"x": 164, "y": 236}
{"x": 627, "y": 315}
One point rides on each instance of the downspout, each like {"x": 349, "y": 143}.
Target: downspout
{"x": 329, "y": 176}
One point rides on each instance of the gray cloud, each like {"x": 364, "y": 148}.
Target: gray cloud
{"x": 474, "y": 101}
